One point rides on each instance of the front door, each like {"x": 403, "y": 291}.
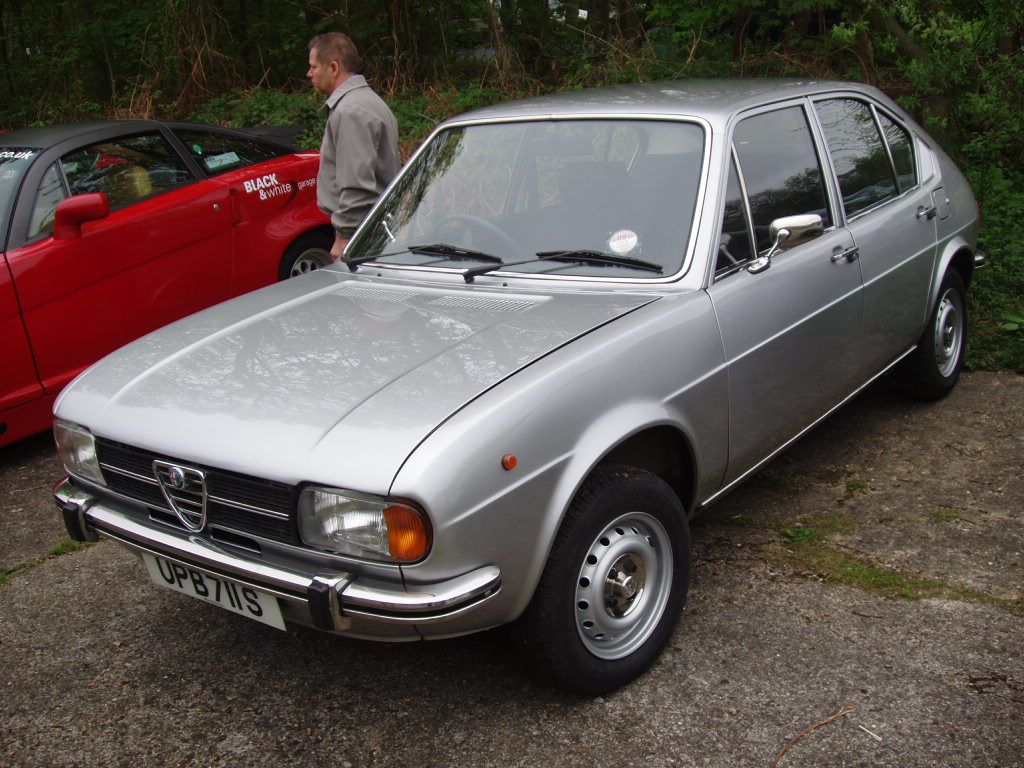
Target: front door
{"x": 789, "y": 332}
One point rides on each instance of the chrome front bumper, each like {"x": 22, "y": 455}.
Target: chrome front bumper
{"x": 332, "y": 602}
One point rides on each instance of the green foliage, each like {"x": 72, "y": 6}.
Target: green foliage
{"x": 241, "y": 108}
{"x": 957, "y": 66}
{"x": 799, "y": 534}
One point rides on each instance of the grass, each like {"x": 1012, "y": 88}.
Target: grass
{"x": 63, "y": 547}
{"x": 855, "y": 486}
{"x": 944, "y": 515}
{"x": 810, "y": 550}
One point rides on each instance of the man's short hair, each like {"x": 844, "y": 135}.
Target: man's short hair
{"x": 337, "y": 46}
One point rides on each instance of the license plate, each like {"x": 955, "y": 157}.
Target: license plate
{"x": 230, "y": 595}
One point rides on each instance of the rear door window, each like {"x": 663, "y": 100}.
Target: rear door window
{"x": 781, "y": 170}
{"x": 859, "y": 155}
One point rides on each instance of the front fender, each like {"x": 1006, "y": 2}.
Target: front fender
{"x": 660, "y": 366}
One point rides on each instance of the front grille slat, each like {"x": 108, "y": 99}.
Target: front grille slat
{"x": 129, "y": 472}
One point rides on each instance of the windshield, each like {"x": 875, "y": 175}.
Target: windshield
{"x": 14, "y": 161}
{"x": 627, "y": 188}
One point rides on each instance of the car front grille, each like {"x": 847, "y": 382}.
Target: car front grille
{"x": 240, "y": 503}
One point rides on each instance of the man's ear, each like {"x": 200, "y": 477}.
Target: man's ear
{"x": 334, "y": 67}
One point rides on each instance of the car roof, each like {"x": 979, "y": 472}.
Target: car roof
{"x": 48, "y": 135}
{"x": 713, "y": 99}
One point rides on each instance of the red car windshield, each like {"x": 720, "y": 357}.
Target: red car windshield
{"x": 14, "y": 161}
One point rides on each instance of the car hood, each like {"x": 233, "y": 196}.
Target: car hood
{"x": 330, "y": 378}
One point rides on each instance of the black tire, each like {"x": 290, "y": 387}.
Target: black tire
{"x": 932, "y": 370}
{"x": 622, "y": 519}
{"x": 309, "y": 252}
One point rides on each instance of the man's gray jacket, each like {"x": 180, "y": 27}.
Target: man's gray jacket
{"x": 358, "y": 156}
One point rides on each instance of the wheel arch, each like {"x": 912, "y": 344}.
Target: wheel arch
{"x": 314, "y": 233}
{"x": 663, "y": 450}
{"x": 957, "y": 255}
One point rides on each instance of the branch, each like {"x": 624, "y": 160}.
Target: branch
{"x": 847, "y": 709}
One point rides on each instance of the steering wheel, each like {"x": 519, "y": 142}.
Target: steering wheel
{"x": 472, "y": 221}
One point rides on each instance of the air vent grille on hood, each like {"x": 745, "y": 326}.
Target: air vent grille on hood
{"x": 377, "y": 294}
{"x": 482, "y": 302}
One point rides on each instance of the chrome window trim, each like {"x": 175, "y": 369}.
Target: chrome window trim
{"x": 698, "y": 211}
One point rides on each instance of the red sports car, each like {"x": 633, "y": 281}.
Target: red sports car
{"x": 110, "y": 230}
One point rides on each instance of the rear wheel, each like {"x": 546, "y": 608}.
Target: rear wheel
{"x": 311, "y": 251}
{"x": 615, "y": 582}
{"x": 932, "y": 370}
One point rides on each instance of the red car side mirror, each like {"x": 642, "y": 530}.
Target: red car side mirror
{"x": 75, "y": 211}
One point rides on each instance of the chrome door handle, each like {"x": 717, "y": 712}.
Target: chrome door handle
{"x": 926, "y": 213}
{"x": 850, "y": 254}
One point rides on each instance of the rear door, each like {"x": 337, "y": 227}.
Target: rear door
{"x": 892, "y": 218}
{"x": 789, "y": 330}
{"x": 163, "y": 251}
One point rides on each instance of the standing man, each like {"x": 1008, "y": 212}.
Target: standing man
{"x": 359, "y": 153}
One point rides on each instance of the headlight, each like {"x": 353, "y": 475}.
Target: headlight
{"x": 376, "y": 529}
{"x": 77, "y": 449}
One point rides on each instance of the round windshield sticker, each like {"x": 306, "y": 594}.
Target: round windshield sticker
{"x": 623, "y": 241}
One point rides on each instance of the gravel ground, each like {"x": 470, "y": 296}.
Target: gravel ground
{"x": 790, "y": 637}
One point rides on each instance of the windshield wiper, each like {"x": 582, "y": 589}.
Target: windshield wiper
{"x": 452, "y": 252}
{"x": 586, "y": 256}
{"x": 443, "y": 250}
{"x": 581, "y": 255}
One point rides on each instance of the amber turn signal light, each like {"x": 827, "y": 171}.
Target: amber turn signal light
{"x": 408, "y": 533}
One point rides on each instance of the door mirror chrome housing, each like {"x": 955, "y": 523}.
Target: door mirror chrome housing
{"x": 791, "y": 230}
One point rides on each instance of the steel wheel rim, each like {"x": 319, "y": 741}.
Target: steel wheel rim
{"x": 309, "y": 260}
{"x": 623, "y": 586}
{"x": 948, "y": 333}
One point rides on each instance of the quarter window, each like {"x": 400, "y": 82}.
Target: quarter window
{"x": 781, "y": 170}
{"x": 902, "y": 151}
{"x": 219, "y": 152}
{"x": 126, "y": 169}
{"x": 858, "y": 154}
{"x": 734, "y": 239}
{"x": 44, "y": 211}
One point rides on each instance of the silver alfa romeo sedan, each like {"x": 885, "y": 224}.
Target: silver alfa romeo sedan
{"x": 569, "y": 325}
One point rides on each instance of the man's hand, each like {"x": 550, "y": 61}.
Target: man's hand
{"x": 338, "y": 248}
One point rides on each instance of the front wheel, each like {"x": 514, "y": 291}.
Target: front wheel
{"x": 311, "y": 251}
{"x": 932, "y": 370}
{"x": 615, "y": 582}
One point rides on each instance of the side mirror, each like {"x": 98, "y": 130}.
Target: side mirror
{"x": 791, "y": 230}
{"x": 75, "y": 211}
